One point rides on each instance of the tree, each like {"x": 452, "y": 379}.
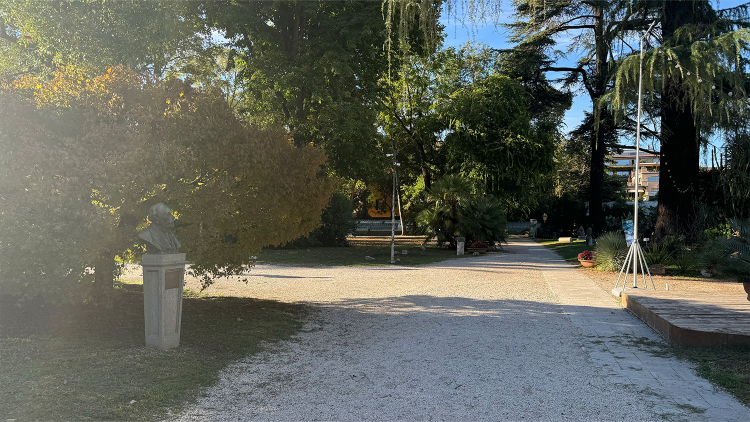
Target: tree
{"x": 37, "y": 36}
{"x": 698, "y": 78}
{"x": 409, "y": 117}
{"x": 82, "y": 165}
{"x": 594, "y": 30}
{"x": 735, "y": 178}
{"x": 492, "y": 141}
{"x": 215, "y": 68}
{"x": 452, "y": 210}
{"x": 475, "y": 112}
{"x": 598, "y": 30}
{"x": 415, "y": 111}
{"x": 312, "y": 68}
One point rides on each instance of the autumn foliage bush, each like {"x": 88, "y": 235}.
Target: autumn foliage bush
{"x": 84, "y": 157}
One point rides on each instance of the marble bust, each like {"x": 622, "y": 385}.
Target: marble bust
{"x": 158, "y": 235}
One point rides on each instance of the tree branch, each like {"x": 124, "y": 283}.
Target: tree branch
{"x": 580, "y": 70}
{"x": 650, "y": 132}
{"x": 568, "y": 28}
{"x": 395, "y": 114}
{"x": 650, "y": 151}
{"x": 575, "y": 18}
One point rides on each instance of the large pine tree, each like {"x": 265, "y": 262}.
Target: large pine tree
{"x": 695, "y": 76}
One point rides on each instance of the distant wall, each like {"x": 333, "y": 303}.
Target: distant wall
{"x": 516, "y": 227}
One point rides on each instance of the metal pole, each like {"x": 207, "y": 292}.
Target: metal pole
{"x": 400, "y": 211}
{"x": 637, "y": 178}
{"x": 638, "y": 155}
{"x": 393, "y": 215}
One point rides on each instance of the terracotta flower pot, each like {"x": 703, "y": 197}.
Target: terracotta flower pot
{"x": 588, "y": 263}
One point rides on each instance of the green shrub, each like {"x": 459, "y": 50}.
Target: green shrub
{"x": 442, "y": 210}
{"x": 712, "y": 255}
{"x": 720, "y": 231}
{"x": 685, "y": 260}
{"x": 336, "y": 223}
{"x": 672, "y": 243}
{"x": 657, "y": 253}
{"x": 450, "y": 210}
{"x": 483, "y": 219}
{"x": 611, "y": 249}
{"x": 738, "y": 250}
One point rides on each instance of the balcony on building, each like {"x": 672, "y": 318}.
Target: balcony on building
{"x": 648, "y": 180}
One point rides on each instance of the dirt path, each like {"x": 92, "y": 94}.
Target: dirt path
{"x": 483, "y": 338}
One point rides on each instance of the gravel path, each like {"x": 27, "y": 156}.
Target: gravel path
{"x": 482, "y": 338}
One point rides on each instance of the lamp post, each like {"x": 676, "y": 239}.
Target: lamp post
{"x": 635, "y": 254}
{"x": 393, "y": 210}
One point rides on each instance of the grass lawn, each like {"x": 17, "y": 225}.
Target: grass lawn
{"x": 378, "y": 247}
{"x": 89, "y": 362}
{"x": 569, "y": 251}
{"x": 727, "y": 366}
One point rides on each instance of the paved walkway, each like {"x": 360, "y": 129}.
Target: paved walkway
{"x": 629, "y": 352}
{"x": 516, "y": 336}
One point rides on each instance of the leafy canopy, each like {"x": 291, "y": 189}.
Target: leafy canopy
{"x": 38, "y": 35}
{"x": 86, "y": 156}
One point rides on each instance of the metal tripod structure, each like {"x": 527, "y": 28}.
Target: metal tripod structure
{"x": 634, "y": 256}
{"x": 635, "y": 253}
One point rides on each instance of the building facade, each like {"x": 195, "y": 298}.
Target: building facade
{"x": 647, "y": 181}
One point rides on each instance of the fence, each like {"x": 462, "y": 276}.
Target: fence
{"x": 365, "y": 226}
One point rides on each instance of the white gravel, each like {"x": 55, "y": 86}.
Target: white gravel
{"x": 474, "y": 339}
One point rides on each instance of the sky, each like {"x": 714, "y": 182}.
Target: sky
{"x": 459, "y": 33}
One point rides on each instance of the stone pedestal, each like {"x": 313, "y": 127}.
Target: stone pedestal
{"x": 532, "y": 227}
{"x": 658, "y": 269}
{"x": 460, "y": 243}
{"x": 163, "y": 278}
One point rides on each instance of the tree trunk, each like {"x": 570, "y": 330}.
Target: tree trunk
{"x": 596, "y": 178}
{"x": 680, "y": 146}
{"x": 598, "y": 143}
{"x": 104, "y": 272}
{"x": 424, "y": 164}
{"x": 679, "y": 165}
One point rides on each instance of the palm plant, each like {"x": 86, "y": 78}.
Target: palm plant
{"x": 738, "y": 247}
{"x": 483, "y": 219}
{"x": 712, "y": 255}
{"x": 441, "y": 216}
{"x": 611, "y": 249}
{"x": 658, "y": 253}
{"x": 451, "y": 211}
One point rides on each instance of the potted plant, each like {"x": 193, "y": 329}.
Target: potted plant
{"x": 477, "y": 246}
{"x": 586, "y": 258}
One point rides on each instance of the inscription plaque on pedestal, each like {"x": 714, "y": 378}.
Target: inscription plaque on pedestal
{"x": 172, "y": 279}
